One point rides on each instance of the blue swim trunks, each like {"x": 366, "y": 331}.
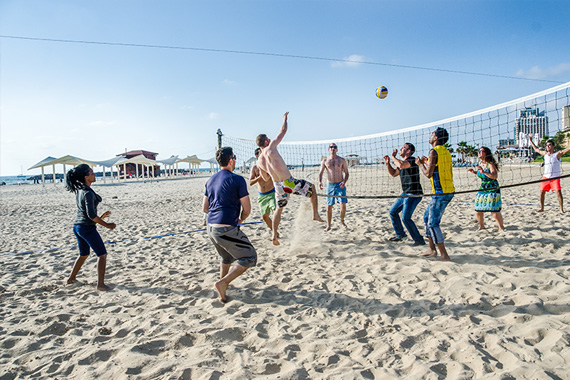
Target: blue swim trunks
{"x": 334, "y": 189}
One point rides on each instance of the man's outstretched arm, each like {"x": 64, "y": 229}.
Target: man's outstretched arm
{"x": 281, "y": 134}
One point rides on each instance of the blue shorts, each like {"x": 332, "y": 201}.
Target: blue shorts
{"x": 88, "y": 237}
{"x": 334, "y": 189}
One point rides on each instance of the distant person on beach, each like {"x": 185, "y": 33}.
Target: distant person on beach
{"x": 552, "y": 169}
{"x": 266, "y": 199}
{"x": 225, "y": 196}
{"x": 337, "y": 176}
{"x": 488, "y": 198}
{"x": 409, "y": 173}
{"x": 78, "y": 180}
{"x": 272, "y": 165}
{"x": 439, "y": 171}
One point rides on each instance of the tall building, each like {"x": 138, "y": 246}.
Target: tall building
{"x": 566, "y": 125}
{"x": 531, "y": 120}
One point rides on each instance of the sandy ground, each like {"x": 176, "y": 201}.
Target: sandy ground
{"x": 344, "y": 304}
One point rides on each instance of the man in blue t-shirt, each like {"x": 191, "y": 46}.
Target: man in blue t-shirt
{"x": 226, "y": 194}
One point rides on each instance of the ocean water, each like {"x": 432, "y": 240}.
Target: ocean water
{"x": 15, "y": 180}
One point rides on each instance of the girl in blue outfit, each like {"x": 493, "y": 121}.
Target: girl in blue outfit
{"x": 488, "y": 197}
{"x": 78, "y": 180}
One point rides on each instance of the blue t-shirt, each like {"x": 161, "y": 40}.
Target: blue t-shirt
{"x": 224, "y": 191}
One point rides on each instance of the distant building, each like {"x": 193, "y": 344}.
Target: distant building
{"x": 531, "y": 120}
{"x": 566, "y": 125}
{"x": 132, "y": 168}
{"x": 508, "y": 142}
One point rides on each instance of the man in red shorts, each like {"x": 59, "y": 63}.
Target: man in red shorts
{"x": 552, "y": 169}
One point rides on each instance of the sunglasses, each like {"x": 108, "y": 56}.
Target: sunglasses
{"x": 333, "y": 147}
{"x": 233, "y": 157}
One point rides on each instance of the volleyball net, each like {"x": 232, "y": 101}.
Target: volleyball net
{"x": 503, "y": 129}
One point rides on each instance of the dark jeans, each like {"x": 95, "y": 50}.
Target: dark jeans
{"x": 407, "y": 206}
{"x": 433, "y": 214}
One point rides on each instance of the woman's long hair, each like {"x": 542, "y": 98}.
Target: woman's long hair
{"x": 489, "y": 157}
{"x": 75, "y": 178}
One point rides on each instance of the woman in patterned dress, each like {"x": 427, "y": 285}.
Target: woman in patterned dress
{"x": 488, "y": 197}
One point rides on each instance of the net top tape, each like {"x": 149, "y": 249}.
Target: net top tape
{"x": 432, "y": 124}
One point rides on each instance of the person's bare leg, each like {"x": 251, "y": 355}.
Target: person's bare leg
{"x": 443, "y": 252}
{"x": 276, "y": 221}
{"x": 76, "y": 267}
{"x": 560, "y": 200}
{"x": 222, "y": 285}
{"x": 101, "y": 266}
{"x": 431, "y": 252}
{"x": 499, "y": 218}
{"x": 315, "y": 205}
{"x": 267, "y": 220}
{"x": 480, "y": 220}
{"x": 224, "y": 269}
{"x": 329, "y": 217}
{"x": 342, "y": 214}
{"x": 542, "y": 196}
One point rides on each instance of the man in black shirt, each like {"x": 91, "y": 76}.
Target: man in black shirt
{"x": 409, "y": 174}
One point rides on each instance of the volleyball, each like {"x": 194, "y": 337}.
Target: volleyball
{"x": 381, "y": 92}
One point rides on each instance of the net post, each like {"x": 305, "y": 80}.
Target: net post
{"x": 220, "y": 134}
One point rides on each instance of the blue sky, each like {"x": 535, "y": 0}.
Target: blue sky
{"x": 94, "y": 101}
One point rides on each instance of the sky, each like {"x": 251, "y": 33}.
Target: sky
{"x": 95, "y": 100}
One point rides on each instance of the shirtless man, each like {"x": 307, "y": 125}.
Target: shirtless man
{"x": 337, "y": 175}
{"x": 266, "y": 199}
{"x": 272, "y": 166}
{"x": 552, "y": 169}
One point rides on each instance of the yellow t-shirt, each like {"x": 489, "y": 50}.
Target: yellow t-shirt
{"x": 442, "y": 179}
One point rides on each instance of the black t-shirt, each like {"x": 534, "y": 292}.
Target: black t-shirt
{"x": 410, "y": 178}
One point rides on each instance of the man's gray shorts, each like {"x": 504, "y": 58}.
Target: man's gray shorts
{"x": 232, "y": 244}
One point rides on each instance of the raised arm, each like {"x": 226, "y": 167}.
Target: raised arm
{"x": 393, "y": 172}
{"x": 536, "y": 149}
{"x": 281, "y": 134}
{"x": 432, "y": 163}
{"x": 561, "y": 153}
{"x": 399, "y": 163}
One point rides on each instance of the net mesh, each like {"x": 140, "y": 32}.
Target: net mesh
{"x": 501, "y": 128}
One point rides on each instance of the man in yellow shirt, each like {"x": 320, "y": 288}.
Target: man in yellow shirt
{"x": 439, "y": 171}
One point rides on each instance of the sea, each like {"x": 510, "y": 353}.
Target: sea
{"x": 29, "y": 179}
{"x": 16, "y": 180}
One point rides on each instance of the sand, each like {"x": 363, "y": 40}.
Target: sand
{"x": 344, "y": 304}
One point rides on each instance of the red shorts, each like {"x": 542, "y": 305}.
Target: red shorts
{"x": 550, "y": 185}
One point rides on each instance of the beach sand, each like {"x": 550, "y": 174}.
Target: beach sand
{"x": 344, "y": 304}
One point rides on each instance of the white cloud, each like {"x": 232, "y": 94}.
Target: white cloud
{"x": 101, "y": 124}
{"x": 536, "y": 72}
{"x": 213, "y": 116}
{"x": 228, "y": 82}
{"x": 352, "y": 61}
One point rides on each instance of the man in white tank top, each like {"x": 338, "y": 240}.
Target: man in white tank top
{"x": 552, "y": 169}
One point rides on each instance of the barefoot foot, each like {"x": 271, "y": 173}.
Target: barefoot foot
{"x": 318, "y": 219}
{"x": 429, "y": 253}
{"x": 328, "y": 228}
{"x": 275, "y": 241}
{"x": 221, "y": 289}
{"x": 103, "y": 288}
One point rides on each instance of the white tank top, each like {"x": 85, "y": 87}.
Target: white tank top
{"x": 552, "y": 167}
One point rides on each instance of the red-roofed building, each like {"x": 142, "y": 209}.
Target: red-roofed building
{"x": 131, "y": 169}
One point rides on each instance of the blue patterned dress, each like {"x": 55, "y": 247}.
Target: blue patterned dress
{"x": 488, "y": 197}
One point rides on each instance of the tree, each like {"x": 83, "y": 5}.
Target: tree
{"x": 558, "y": 138}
